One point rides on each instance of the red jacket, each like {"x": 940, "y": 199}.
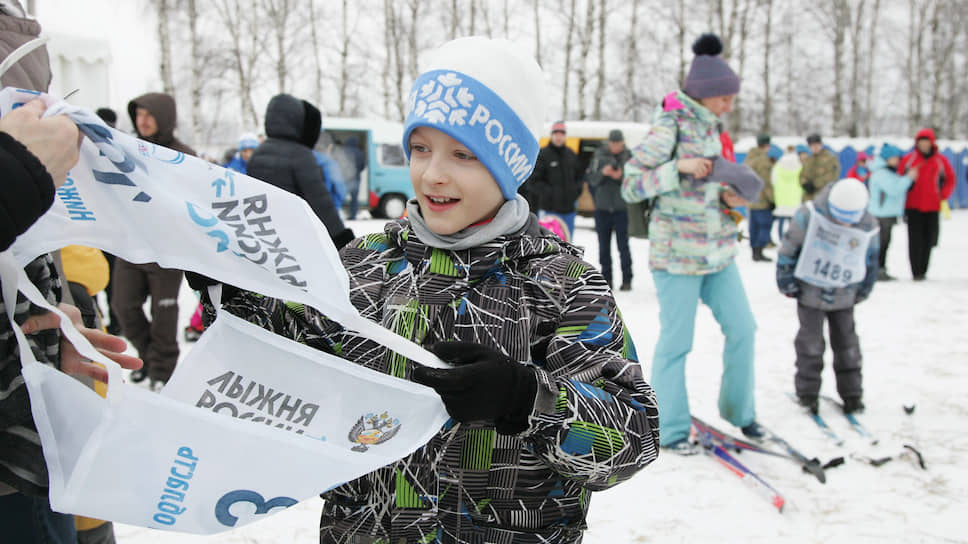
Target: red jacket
{"x": 936, "y": 177}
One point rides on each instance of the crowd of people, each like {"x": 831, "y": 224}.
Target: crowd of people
{"x": 524, "y": 372}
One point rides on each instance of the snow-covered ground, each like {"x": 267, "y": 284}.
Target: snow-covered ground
{"x": 912, "y": 338}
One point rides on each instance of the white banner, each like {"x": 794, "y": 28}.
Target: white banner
{"x": 250, "y": 421}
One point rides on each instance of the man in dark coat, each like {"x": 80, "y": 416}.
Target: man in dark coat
{"x": 286, "y": 160}
{"x": 611, "y": 213}
{"x": 556, "y": 179}
{"x": 154, "y": 117}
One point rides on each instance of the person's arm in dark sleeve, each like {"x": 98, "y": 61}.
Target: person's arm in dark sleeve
{"x": 28, "y": 190}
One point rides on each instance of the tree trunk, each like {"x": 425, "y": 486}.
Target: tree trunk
{"x": 853, "y": 126}
{"x": 344, "y": 58}
{"x": 537, "y": 31}
{"x": 164, "y": 37}
{"x": 600, "y": 89}
{"x": 317, "y": 63}
{"x": 196, "y": 84}
{"x": 585, "y": 40}
{"x": 631, "y": 65}
{"x": 567, "y": 70}
{"x": 871, "y": 55}
{"x": 767, "y": 125}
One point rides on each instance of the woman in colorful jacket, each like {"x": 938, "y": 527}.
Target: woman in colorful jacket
{"x": 888, "y": 192}
{"x": 693, "y": 245}
{"x": 547, "y": 401}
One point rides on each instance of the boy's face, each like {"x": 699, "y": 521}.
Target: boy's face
{"x": 452, "y": 186}
{"x": 893, "y": 161}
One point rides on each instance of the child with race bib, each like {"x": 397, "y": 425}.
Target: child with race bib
{"x": 828, "y": 261}
{"x": 546, "y": 397}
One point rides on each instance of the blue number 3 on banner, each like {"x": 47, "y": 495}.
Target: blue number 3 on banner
{"x": 262, "y": 506}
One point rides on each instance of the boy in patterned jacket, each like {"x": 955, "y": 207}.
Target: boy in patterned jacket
{"x": 546, "y": 398}
{"x": 828, "y": 262}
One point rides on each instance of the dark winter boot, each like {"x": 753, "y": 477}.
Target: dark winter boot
{"x": 853, "y": 405}
{"x": 754, "y": 430}
{"x": 759, "y": 257}
{"x": 809, "y": 402}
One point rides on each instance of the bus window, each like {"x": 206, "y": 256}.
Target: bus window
{"x": 392, "y": 155}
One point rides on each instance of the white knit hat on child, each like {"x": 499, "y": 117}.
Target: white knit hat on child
{"x": 488, "y": 95}
{"x": 848, "y": 200}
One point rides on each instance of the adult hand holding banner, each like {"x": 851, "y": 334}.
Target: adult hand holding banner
{"x": 299, "y": 421}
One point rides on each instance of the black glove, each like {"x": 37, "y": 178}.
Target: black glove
{"x": 486, "y": 385}
{"x": 28, "y": 190}
{"x": 344, "y": 237}
{"x": 809, "y": 187}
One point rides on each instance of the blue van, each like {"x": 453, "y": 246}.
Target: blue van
{"x": 385, "y": 182}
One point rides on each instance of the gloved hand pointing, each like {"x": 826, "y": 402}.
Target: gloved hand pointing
{"x": 486, "y": 385}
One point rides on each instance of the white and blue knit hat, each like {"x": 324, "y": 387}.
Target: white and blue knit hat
{"x": 847, "y": 201}
{"x": 248, "y": 140}
{"x": 488, "y": 95}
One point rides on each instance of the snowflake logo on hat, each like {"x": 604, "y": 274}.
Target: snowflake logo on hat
{"x": 443, "y": 100}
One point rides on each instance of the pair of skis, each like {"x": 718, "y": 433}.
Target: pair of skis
{"x": 909, "y": 452}
{"x": 719, "y": 445}
{"x": 827, "y": 431}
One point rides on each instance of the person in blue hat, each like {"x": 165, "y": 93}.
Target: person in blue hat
{"x": 888, "y": 192}
{"x": 247, "y": 144}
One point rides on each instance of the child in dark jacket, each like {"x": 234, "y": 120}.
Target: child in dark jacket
{"x": 547, "y": 401}
{"x": 828, "y": 262}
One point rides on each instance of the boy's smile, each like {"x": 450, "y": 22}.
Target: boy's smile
{"x": 454, "y": 189}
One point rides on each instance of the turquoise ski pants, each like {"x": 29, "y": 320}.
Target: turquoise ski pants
{"x": 679, "y": 297}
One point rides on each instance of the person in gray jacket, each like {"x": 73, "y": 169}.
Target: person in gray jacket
{"x": 285, "y": 159}
{"x": 829, "y": 263}
{"x": 611, "y": 213}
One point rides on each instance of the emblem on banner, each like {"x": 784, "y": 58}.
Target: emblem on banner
{"x": 372, "y": 429}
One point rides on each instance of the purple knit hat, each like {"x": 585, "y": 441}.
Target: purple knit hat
{"x": 709, "y": 75}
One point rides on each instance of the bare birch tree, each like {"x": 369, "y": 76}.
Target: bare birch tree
{"x": 237, "y": 17}
{"x": 196, "y": 67}
{"x": 537, "y": 31}
{"x": 631, "y": 66}
{"x": 767, "y": 125}
{"x": 586, "y": 31}
{"x": 314, "y": 43}
{"x": 600, "y": 75}
{"x": 569, "y": 36}
{"x": 871, "y": 49}
{"x": 164, "y": 39}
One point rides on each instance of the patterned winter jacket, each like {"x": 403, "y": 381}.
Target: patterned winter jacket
{"x": 532, "y": 297}
{"x": 689, "y": 231}
{"x": 819, "y": 170}
{"x": 21, "y": 459}
{"x": 813, "y": 296}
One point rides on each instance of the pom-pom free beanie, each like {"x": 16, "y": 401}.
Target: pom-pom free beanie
{"x": 888, "y": 151}
{"x": 848, "y": 200}
{"x": 709, "y": 75}
{"x": 248, "y": 141}
{"x": 488, "y": 95}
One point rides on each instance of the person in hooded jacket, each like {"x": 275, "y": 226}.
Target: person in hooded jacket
{"x": 285, "y": 159}
{"x": 935, "y": 182}
{"x": 546, "y": 397}
{"x": 888, "y": 193}
{"x": 154, "y": 117}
